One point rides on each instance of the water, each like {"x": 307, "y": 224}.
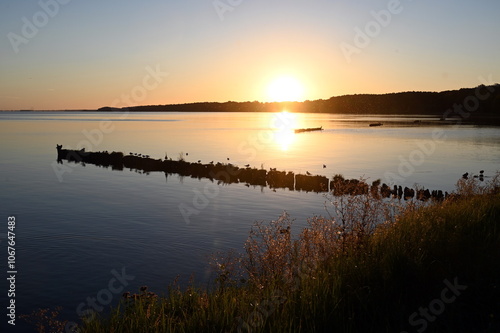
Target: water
{"x": 78, "y": 227}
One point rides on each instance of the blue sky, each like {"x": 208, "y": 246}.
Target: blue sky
{"x": 87, "y": 54}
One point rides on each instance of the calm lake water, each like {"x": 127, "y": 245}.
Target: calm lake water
{"x": 78, "y": 227}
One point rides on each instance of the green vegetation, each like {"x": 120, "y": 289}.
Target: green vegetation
{"x": 430, "y": 267}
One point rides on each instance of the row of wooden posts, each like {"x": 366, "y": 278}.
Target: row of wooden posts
{"x": 228, "y": 173}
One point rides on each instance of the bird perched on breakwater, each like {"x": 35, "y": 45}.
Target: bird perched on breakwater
{"x": 308, "y": 173}
{"x": 285, "y": 231}
{"x": 324, "y": 166}
{"x": 465, "y": 175}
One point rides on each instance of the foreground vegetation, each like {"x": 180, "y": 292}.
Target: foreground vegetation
{"x": 373, "y": 265}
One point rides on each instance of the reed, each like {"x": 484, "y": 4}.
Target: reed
{"x": 366, "y": 267}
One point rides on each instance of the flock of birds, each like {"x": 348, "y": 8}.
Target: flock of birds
{"x": 139, "y": 155}
{"x": 464, "y": 176}
{"x": 212, "y": 162}
{"x": 480, "y": 176}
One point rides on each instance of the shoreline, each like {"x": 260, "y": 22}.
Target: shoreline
{"x": 353, "y": 276}
{"x": 482, "y": 102}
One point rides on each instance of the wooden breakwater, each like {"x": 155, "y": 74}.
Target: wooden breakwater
{"x": 228, "y": 173}
{"x": 302, "y": 130}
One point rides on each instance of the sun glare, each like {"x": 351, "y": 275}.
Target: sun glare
{"x": 284, "y": 124}
{"x": 285, "y": 89}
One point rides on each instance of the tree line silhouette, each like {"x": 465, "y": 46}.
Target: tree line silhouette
{"x": 404, "y": 103}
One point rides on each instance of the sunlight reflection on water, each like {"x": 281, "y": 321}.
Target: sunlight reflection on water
{"x": 73, "y": 233}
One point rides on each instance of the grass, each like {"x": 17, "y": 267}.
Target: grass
{"x": 372, "y": 265}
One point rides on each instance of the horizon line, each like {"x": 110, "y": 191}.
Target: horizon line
{"x": 254, "y": 101}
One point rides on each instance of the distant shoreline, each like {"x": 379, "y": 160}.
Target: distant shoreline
{"x": 467, "y": 102}
{"x": 479, "y": 105}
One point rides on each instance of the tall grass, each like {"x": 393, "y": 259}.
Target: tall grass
{"x": 366, "y": 267}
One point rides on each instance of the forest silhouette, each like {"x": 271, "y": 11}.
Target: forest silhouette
{"x": 481, "y": 104}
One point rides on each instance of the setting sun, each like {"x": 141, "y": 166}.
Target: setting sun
{"x": 285, "y": 89}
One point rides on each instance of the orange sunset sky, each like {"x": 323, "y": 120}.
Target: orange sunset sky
{"x": 60, "y": 54}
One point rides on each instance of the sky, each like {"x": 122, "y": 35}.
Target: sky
{"x": 85, "y": 54}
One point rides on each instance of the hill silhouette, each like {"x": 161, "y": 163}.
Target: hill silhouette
{"x": 482, "y": 103}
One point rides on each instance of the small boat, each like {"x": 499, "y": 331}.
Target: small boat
{"x": 302, "y": 130}
{"x": 375, "y": 124}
